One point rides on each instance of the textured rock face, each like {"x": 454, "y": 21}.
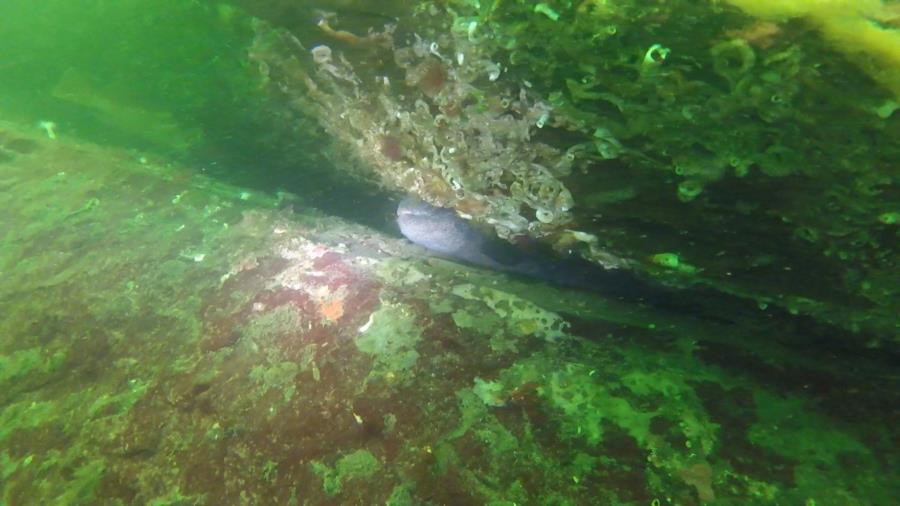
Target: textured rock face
{"x": 628, "y": 133}
{"x": 167, "y": 339}
{"x": 432, "y": 133}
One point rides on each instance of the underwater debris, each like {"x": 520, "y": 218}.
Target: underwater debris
{"x": 49, "y": 129}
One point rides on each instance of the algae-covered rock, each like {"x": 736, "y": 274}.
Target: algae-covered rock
{"x": 359, "y": 464}
{"x": 390, "y": 338}
{"x": 727, "y": 132}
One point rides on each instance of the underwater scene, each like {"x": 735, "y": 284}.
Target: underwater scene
{"x": 450, "y": 252}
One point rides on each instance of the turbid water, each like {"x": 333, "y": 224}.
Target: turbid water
{"x": 659, "y": 262}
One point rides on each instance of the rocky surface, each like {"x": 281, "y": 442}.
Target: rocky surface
{"x": 169, "y": 339}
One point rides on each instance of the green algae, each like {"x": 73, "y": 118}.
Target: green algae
{"x": 575, "y": 419}
{"x": 498, "y": 442}
{"x": 519, "y": 317}
{"x": 9, "y": 465}
{"x": 580, "y": 410}
{"x": 390, "y": 340}
{"x": 174, "y": 497}
{"x": 266, "y": 329}
{"x": 480, "y": 427}
{"x": 719, "y": 164}
{"x": 82, "y": 487}
{"x": 359, "y": 464}
{"x": 490, "y": 392}
{"x": 401, "y": 495}
{"x": 586, "y": 406}
{"x": 118, "y": 403}
{"x": 828, "y": 455}
{"x": 25, "y": 414}
{"x": 789, "y": 427}
{"x": 29, "y": 363}
{"x": 695, "y": 129}
{"x": 279, "y": 376}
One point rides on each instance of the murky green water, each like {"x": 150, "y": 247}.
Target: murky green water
{"x": 681, "y": 284}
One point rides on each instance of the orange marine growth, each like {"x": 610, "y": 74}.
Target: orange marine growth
{"x": 341, "y": 35}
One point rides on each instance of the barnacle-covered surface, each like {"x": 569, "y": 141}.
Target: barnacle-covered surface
{"x": 168, "y": 339}
{"x": 431, "y": 118}
{"x": 755, "y": 149}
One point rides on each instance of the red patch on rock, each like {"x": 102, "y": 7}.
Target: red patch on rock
{"x": 391, "y": 147}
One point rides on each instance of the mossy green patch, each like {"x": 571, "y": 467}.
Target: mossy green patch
{"x": 519, "y": 316}
{"x": 789, "y": 426}
{"x": 25, "y": 415}
{"x": 279, "y": 376}
{"x": 81, "y": 488}
{"x": 265, "y": 330}
{"x": 359, "y": 464}
{"x": 401, "y": 495}
{"x": 490, "y": 392}
{"x": 29, "y": 362}
{"x": 391, "y": 340}
{"x": 400, "y": 273}
{"x": 119, "y": 402}
{"x": 587, "y": 404}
